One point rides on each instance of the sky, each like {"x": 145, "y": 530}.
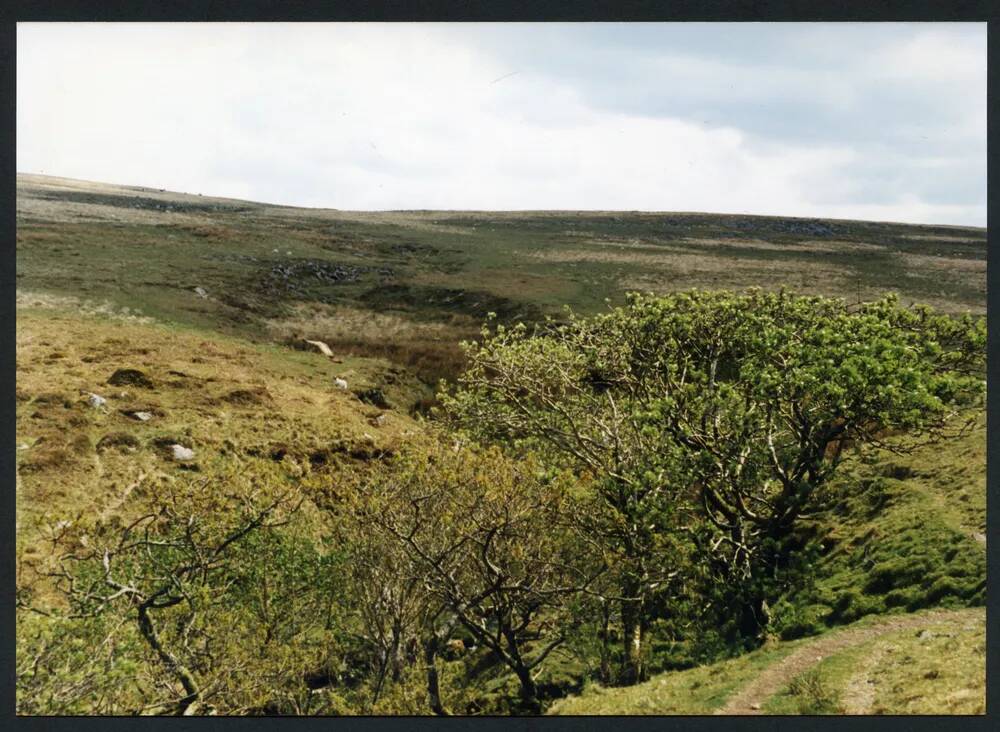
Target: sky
{"x": 841, "y": 120}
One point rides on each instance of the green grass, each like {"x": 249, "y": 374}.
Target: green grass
{"x": 903, "y": 532}
{"x": 525, "y": 262}
{"x": 106, "y": 279}
{"x": 936, "y": 669}
{"x": 699, "y": 690}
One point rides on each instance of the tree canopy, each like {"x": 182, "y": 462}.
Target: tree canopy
{"x": 736, "y": 406}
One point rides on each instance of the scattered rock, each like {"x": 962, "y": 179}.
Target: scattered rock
{"x": 377, "y": 421}
{"x": 925, "y": 635}
{"x": 181, "y": 453}
{"x": 320, "y": 347}
{"x": 755, "y": 707}
{"x": 130, "y": 377}
{"x": 141, "y": 416}
{"x": 290, "y": 277}
{"x": 96, "y": 401}
{"x": 340, "y": 383}
{"x": 23, "y": 446}
{"x": 201, "y": 292}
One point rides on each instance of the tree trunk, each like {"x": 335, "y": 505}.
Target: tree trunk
{"x": 396, "y": 652}
{"x": 632, "y": 640}
{"x": 754, "y": 618}
{"x": 605, "y": 635}
{"x": 529, "y": 692}
{"x": 179, "y": 670}
{"x": 433, "y": 690}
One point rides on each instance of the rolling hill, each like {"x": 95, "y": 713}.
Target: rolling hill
{"x": 187, "y": 316}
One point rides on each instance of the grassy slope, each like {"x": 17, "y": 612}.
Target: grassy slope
{"x": 218, "y": 395}
{"x": 938, "y": 668}
{"x": 147, "y": 249}
{"x": 905, "y": 532}
{"x": 936, "y": 665}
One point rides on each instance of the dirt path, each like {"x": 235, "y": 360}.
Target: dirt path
{"x": 859, "y": 694}
{"x": 773, "y": 679}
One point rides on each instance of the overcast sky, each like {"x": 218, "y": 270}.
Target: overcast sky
{"x": 867, "y": 121}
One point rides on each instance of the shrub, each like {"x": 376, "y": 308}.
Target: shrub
{"x": 814, "y": 696}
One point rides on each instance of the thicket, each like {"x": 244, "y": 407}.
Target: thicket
{"x": 602, "y": 497}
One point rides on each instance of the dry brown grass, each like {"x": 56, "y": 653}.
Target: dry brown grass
{"x": 427, "y": 349}
{"x": 221, "y": 396}
{"x": 957, "y": 266}
{"x": 703, "y": 267}
{"x": 820, "y": 247}
{"x": 938, "y": 237}
{"x": 347, "y": 323}
{"x": 566, "y": 256}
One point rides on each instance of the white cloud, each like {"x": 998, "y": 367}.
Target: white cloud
{"x": 414, "y": 116}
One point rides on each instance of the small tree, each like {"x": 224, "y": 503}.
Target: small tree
{"x": 170, "y": 570}
{"x": 563, "y": 392}
{"x": 399, "y": 618}
{"x": 738, "y": 404}
{"x": 486, "y": 541}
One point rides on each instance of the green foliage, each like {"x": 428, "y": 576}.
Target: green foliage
{"x": 482, "y": 540}
{"x": 203, "y": 581}
{"x": 737, "y": 405}
{"x": 329, "y": 612}
{"x": 68, "y": 667}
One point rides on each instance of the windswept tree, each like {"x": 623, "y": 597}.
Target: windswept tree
{"x": 565, "y": 393}
{"x": 486, "y": 540}
{"x": 738, "y": 404}
{"x": 172, "y": 572}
